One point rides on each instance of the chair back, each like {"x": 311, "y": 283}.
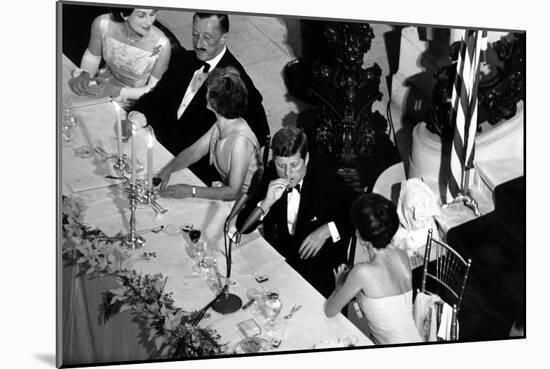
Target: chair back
{"x": 446, "y": 276}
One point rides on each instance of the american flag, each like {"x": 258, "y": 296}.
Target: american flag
{"x": 464, "y": 100}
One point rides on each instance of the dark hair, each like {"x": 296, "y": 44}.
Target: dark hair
{"x": 227, "y": 93}
{"x": 223, "y": 19}
{"x": 376, "y": 219}
{"x": 288, "y": 141}
{"x": 118, "y": 13}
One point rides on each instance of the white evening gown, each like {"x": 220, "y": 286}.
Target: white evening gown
{"x": 390, "y": 319}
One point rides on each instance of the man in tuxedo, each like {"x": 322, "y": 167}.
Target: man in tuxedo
{"x": 304, "y": 208}
{"x": 176, "y": 107}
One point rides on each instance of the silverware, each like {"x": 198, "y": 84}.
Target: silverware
{"x": 294, "y": 309}
{"x": 245, "y": 306}
{"x": 103, "y": 153}
{"x": 154, "y": 230}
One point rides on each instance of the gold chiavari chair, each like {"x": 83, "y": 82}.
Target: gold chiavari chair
{"x": 446, "y": 276}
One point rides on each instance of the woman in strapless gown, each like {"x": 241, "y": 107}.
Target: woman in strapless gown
{"x": 383, "y": 285}
{"x": 231, "y": 144}
{"x": 136, "y": 55}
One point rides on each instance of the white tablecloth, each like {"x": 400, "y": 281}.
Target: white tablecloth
{"x": 106, "y": 207}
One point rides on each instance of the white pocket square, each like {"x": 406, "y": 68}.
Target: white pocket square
{"x": 313, "y": 219}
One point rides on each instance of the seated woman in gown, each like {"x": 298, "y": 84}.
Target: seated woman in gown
{"x": 383, "y": 285}
{"x": 136, "y": 55}
{"x": 233, "y": 147}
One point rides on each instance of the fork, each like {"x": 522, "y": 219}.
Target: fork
{"x": 294, "y": 309}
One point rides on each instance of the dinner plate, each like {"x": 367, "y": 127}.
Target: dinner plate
{"x": 251, "y": 345}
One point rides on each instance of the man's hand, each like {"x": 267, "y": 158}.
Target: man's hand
{"x": 276, "y": 189}
{"x": 314, "y": 242}
{"x": 179, "y": 191}
{"x": 80, "y": 83}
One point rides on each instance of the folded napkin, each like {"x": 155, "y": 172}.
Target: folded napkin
{"x": 419, "y": 210}
{"x": 425, "y": 315}
{"x": 446, "y": 319}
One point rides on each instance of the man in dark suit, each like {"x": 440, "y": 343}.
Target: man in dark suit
{"x": 177, "y": 108}
{"x": 304, "y": 208}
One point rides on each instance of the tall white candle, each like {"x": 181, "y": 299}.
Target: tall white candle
{"x": 118, "y": 128}
{"x": 133, "y": 153}
{"x": 150, "y": 159}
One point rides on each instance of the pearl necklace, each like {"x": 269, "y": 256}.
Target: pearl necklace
{"x": 125, "y": 34}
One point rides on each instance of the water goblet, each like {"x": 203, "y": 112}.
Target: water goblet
{"x": 273, "y": 306}
{"x": 69, "y": 118}
{"x": 256, "y": 294}
{"x": 212, "y": 275}
{"x": 199, "y": 248}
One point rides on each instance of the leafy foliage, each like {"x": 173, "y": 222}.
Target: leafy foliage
{"x": 174, "y": 332}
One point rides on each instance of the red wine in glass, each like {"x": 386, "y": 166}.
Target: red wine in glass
{"x": 195, "y": 235}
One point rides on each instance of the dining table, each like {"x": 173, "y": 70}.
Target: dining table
{"x": 87, "y": 152}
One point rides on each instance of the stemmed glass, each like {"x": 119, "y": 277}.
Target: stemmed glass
{"x": 273, "y": 306}
{"x": 256, "y": 294}
{"x": 69, "y": 120}
{"x": 212, "y": 275}
{"x": 199, "y": 248}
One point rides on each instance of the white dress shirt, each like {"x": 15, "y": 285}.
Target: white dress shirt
{"x": 196, "y": 82}
{"x": 293, "y": 205}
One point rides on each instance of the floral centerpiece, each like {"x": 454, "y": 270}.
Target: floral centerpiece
{"x": 175, "y": 333}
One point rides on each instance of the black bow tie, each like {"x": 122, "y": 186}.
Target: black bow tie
{"x": 297, "y": 187}
{"x": 204, "y": 65}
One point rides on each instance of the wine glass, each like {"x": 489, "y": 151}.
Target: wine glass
{"x": 195, "y": 235}
{"x": 212, "y": 275}
{"x": 273, "y": 306}
{"x": 256, "y": 294}
{"x": 199, "y": 248}
{"x": 69, "y": 118}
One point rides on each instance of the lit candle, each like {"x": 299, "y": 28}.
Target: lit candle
{"x": 133, "y": 153}
{"x": 150, "y": 159}
{"x": 118, "y": 128}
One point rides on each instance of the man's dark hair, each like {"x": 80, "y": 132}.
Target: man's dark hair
{"x": 288, "y": 141}
{"x": 375, "y": 218}
{"x": 227, "y": 93}
{"x": 222, "y": 18}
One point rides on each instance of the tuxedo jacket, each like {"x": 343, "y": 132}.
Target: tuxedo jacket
{"x": 161, "y": 104}
{"x": 323, "y": 198}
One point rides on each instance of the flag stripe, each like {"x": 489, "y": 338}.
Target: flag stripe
{"x": 464, "y": 102}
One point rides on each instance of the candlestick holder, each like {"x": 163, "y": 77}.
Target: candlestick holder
{"x": 150, "y": 197}
{"x": 133, "y": 241}
{"x": 121, "y": 164}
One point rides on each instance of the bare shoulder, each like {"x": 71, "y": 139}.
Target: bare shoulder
{"x": 157, "y": 35}
{"x": 102, "y": 17}
{"x": 363, "y": 270}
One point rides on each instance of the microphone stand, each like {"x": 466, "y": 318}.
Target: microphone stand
{"x": 227, "y": 302}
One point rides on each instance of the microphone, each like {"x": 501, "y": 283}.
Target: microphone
{"x": 252, "y": 219}
{"x": 244, "y": 196}
{"x": 227, "y": 302}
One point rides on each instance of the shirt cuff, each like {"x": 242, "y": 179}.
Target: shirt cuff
{"x": 264, "y": 212}
{"x": 334, "y": 232}
{"x": 138, "y": 118}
